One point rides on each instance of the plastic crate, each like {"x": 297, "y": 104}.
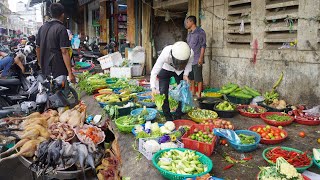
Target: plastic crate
{"x": 149, "y": 155}
{"x": 137, "y": 70}
{"x": 237, "y": 100}
{"x": 121, "y": 72}
{"x": 110, "y": 60}
{"x": 202, "y": 147}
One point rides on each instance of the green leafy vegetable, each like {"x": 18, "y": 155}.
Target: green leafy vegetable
{"x": 159, "y": 100}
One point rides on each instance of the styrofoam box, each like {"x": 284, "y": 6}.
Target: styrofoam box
{"x": 137, "y": 69}
{"x": 121, "y": 72}
{"x": 110, "y": 60}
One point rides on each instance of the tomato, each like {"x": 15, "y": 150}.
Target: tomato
{"x": 276, "y": 134}
{"x": 277, "y": 137}
{"x": 223, "y": 141}
{"x": 277, "y": 131}
{"x": 263, "y": 134}
{"x": 266, "y": 137}
{"x": 254, "y": 129}
{"x": 302, "y": 134}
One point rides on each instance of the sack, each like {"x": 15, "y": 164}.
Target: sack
{"x": 42, "y": 96}
{"x": 226, "y": 133}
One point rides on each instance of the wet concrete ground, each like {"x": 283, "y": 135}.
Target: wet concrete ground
{"x": 143, "y": 169}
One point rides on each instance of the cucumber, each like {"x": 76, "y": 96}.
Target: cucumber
{"x": 229, "y": 90}
{"x": 252, "y": 91}
{"x": 242, "y": 95}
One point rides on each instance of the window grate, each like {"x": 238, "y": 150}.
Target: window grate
{"x": 238, "y": 11}
{"x": 281, "y": 24}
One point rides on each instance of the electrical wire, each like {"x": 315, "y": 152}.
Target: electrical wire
{"x": 181, "y": 12}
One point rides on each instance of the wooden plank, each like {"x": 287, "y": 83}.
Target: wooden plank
{"x": 131, "y": 31}
{"x": 104, "y": 30}
{"x": 146, "y": 41}
{"x": 238, "y": 2}
{"x": 193, "y": 9}
{"x": 283, "y": 4}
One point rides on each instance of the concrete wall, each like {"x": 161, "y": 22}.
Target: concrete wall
{"x": 300, "y": 65}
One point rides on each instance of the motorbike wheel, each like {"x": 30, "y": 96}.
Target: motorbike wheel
{"x": 73, "y": 97}
{"x": 3, "y": 103}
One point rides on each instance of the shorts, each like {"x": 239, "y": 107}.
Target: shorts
{"x": 196, "y": 73}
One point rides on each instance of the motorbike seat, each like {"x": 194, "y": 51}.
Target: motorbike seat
{"x": 90, "y": 55}
{"x": 5, "y": 112}
{"x": 13, "y": 81}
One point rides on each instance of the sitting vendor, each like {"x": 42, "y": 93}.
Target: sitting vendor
{"x": 9, "y": 62}
{"x": 174, "y": 61}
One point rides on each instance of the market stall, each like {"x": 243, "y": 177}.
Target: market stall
{"x": 119, "y": 127}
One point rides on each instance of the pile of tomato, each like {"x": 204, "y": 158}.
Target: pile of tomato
{"x": 270, "y": 133}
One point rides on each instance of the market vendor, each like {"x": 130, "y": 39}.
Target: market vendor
{"x": 174, "y": 61}
{"x": 10, "y": 63}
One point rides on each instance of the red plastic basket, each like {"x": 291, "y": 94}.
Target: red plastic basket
{"x": 270, "y": 141}
{"x": 305, "y": 121}
{"x": 251, "y": 115}
{"x": 202, "y": 147}
{"x": 276, "y": 123}
{"x": 183, "y": 122}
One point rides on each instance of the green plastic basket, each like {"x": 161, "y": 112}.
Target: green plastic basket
{"x": 299, "y": 169}
{"x": 123, "y": 128}
{"x": 237, "y": 100}
{"x": 173, "y": 176}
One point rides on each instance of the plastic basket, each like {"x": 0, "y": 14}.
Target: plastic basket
{"x": 271, "y": 109}
{"x": 149, "y": 155}
{"x": 225, "y": 114}
{"x": 147, "y": 104}
{"x": 237, "y": 100}
{"x": 142, "y": 97}
{"x": 208, "y": 102}
{"x": 246, "y": 147}
{"x": 183, "y": 122}
{"x": 276, "y": 123}
{"x": 211, "y": 90}
{"x": 202, "y": 147}
{"x": 173, "y": 176}
{"x": 299, "y": 169}
{"x": 247, "y": 114}
{"x": 199, "y": 120}
{"x": 270, "y": 141}
{"x": 315, "y": 162}
{"x": 151, "y": 116}
{"x": 305, "y": 121}
{"x": 123, "y": 128}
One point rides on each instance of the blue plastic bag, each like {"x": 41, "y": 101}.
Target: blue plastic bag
{"x": 183, "y": 94}
{"x": 226, "y": 133}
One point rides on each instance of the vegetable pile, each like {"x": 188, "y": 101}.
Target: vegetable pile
{"x": 276, "y": 117}
{"x": 112, "y": 98}
{"x": 202, "y": 136}
{"x": 294, "y": 158}
{"x": 218, "y": 123}
{"x": 247, "y": 139}
{"x": 203, "y": 114}
{"x": 235, "y": 91}
{"x": 226, "y": 106}
{"x": 269, "y": 132}
{"x": 154, "y": 146}
{"x": 253, "y": 109}
{"x": 113, "y": 110}
{"x": 89, "y": 83}
{"x": 179, "y": 162}
{"x": 132, "y": 120}
{"x": 282, "y": 170}
{"x": 126, "y": 85}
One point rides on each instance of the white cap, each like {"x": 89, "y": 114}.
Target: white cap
{"x": 181, "y": 51}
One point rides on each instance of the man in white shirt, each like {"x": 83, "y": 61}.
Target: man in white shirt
{"x": 174, "y": 61}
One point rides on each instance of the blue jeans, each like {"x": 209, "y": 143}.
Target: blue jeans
{"x": 5, "y": 65}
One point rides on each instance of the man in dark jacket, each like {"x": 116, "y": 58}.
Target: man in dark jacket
{"x": 52, "y": 45}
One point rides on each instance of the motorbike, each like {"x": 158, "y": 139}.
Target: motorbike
{"x": 51, "y": 93}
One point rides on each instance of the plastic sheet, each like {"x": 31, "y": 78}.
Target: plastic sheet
{"x": 183, "y": 94}
{"x": 226, "y": 133}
